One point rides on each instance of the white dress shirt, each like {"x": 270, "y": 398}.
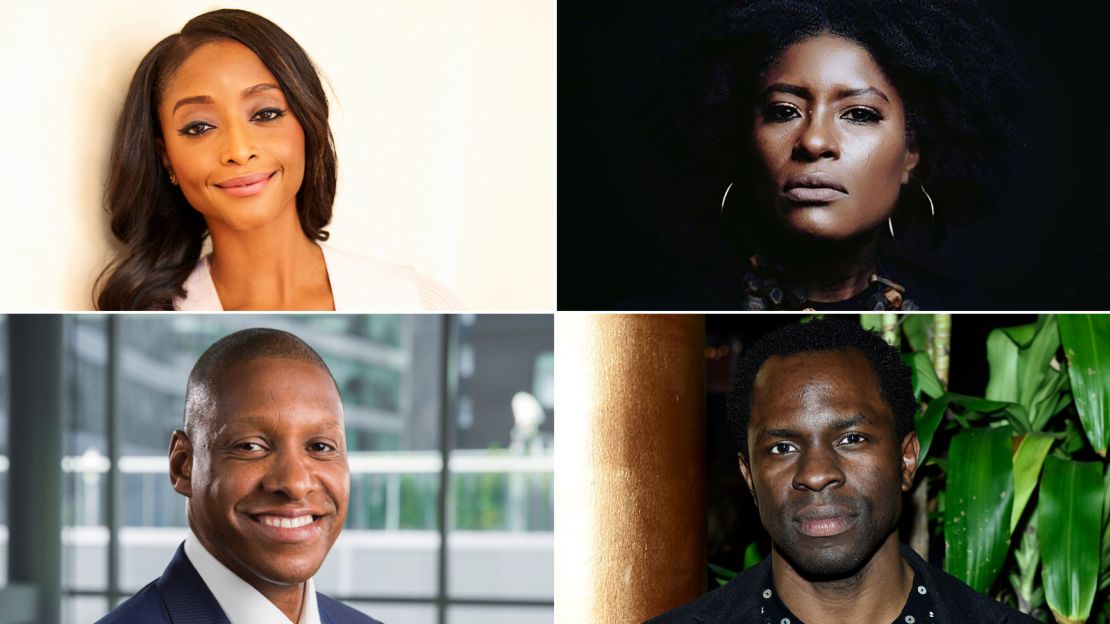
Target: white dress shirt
{"x": 358, "y": 284}
{"x": 242, "y": 603}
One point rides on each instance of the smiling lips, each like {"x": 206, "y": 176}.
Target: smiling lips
{"x": 813, "y": 188}
{"x": 288, "y": 527}
{"x": 246, "y": 186}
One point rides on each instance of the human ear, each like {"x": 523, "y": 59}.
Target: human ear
{"x": 160, "y": 147}
{"x": 911, "y": 449}
{"x": 181, "y": 463}
{"x": 913, "y": 157}
{"x": 747, "y": 473}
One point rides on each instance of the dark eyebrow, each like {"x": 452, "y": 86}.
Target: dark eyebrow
{"x": 206, "y": 99}
{"x": 802, "y": 92}
{"x": 836, "y": 425}
{"x": 847, "y": 93}
{"x": 780, "y": 433}
{"x": 783, "y": 87}
{"x": 848, "y": 423}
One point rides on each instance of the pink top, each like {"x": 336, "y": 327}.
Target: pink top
{"x": 358, "y": 284}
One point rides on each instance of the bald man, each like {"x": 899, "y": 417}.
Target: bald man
{"x": 262, "y": 459}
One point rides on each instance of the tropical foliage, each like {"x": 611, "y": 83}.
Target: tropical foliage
{"x": 1015, "y": 481}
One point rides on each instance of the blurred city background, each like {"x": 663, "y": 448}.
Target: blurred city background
{"x": 451, "y": 413}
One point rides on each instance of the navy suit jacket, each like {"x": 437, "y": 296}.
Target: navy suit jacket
{"x": 181, "y": 597}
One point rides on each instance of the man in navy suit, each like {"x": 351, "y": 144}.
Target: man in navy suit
{"x": 262, "y": 459}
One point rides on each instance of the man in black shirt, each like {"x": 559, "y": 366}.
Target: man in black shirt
{"x": 823, "y": 415}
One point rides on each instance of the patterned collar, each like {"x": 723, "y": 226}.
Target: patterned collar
{"x": 765, "y": 289}
{"x": 918, "y": 609}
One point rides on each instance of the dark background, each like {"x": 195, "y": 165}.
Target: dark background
{"x": 621, "y": 246}
{"x": 733, "y": 519}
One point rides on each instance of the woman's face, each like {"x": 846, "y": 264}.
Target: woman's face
{"x": 230, "y": 138}
{"x": 831, "y": 133}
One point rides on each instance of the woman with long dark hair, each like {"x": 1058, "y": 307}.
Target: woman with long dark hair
{"x": 224, "y": 133}
{"x": 832, "y": 137}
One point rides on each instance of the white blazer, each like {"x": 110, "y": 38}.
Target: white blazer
{"x": 358, "y": 284}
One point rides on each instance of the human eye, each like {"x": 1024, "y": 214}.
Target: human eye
{"x": 778, "y": 112}
{"x": 269, "y": 114}
{"x": 781, "y": 448}
{"x": 862, "y": 115}
{"x": 320, "y": 446}
{"x": 852, "y": 438}
{"x": 249, "y": 446}
{"x": 196, "y": 129}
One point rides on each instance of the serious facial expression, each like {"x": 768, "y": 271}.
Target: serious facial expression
{"x": 825, "y": 464}
{"x": 268, "y": 482}
{"x": 230, "y": 139}
{"x": 831, "y": 133}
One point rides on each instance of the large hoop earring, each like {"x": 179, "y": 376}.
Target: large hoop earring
{"x": 725, "y": 197}
{"x": 890, "y": 224}
{"x": 932, "y": 208}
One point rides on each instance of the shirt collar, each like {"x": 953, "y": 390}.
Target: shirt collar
{"x": 242, "y": 603}
{"x": 918, "y": 608}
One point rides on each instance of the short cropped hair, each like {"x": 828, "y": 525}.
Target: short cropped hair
{"x": 233, "y": 350}
{"x": 831, "y": 334}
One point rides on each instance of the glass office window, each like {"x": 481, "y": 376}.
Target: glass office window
{"x": 501, "y": 467}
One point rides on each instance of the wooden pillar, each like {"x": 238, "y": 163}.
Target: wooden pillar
{"x": 629, "y": 487}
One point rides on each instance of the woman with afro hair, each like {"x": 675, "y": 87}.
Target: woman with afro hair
{"x": 832, "y": 133}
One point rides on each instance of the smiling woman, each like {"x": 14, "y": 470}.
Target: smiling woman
{"x": 224, "y": 133}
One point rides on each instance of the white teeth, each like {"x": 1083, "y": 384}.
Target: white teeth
{"x": 285, "y": 523}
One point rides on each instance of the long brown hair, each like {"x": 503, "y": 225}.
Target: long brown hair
{"x": 161, "y": 235}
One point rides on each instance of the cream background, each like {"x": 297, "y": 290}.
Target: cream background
{"x": 443, "y": 114}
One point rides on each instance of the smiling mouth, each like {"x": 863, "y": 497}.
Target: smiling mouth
{"x": 288, "y": 529}
{"x": 286, "y": 523}
{"x": 247, "y": 185}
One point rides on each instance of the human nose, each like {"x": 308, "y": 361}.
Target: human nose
{"x": 817, "y": 470}
{"x": 817, "y": 139}
{"x": 291, "y": 475}
{"x": 238, "y": 146}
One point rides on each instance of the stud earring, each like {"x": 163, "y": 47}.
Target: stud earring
{"x": 173, "y": 179}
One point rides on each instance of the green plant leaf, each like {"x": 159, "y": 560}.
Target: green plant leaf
{"x": 927, "y": 423}
{"x": 1069, "y": 515}
{"x": 722, "y": 575}
{"x": 1104, "y": 577}
{"x": 1028, "y": 459}
{"x": 1086, "y": 339}
{"x": 1018, "y": 358}
{"x": 872, "y": 322}
{"x": 916, "y": 328}
{"x": 980, "y": 496}
{"x": 1046, "y": 401}
{"x": 1002, "y": 357}
{"x": 1033, "y": 360}
{"x": 924, "y": 374}
{"x": 752, "y": 555}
